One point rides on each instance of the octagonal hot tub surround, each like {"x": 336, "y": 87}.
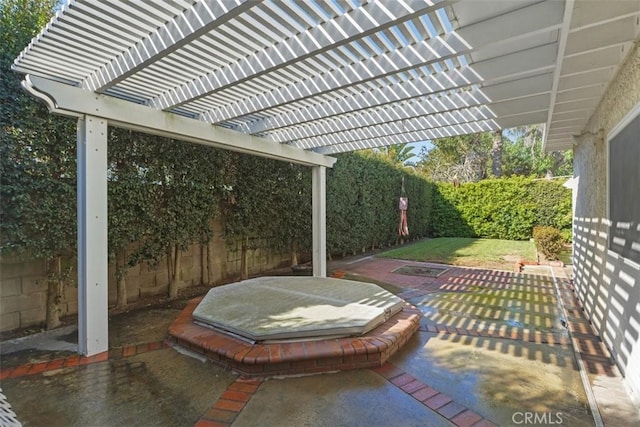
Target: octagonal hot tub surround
{"x": 291, "y": 325}
{"x": 282, "y": 308}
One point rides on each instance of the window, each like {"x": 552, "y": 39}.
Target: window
{"x": 624, "y": 187}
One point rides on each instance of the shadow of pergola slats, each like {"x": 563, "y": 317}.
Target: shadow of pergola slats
{"x": 501, "y": 311}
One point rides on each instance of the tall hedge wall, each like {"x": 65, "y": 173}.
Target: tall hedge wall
{"x": 363, "y": 192}
{"x": 506, "y": 208}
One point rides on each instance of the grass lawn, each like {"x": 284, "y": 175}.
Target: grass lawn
{"x": 470, "y": 252}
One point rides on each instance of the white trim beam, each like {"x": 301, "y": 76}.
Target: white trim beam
{"x": 356, "y": 24}
{"x": 201, "y": 18}
{"x": 71, "y": 101}
{"x": 562, "y": 46}
{"x": 93, "y": 290}
{"x": 530, "y": 20}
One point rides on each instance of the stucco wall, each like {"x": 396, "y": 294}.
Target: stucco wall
{"x": 608, "y": 285}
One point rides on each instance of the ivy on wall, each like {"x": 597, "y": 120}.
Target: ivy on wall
{"x": 37, "y": 161}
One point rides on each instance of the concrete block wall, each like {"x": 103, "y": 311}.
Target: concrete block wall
{"x": 607, "y": 284}
{"x": 23, "y": 283}
{"x": 22, "y": 292}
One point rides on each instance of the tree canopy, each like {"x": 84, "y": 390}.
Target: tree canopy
{"x": 470, "y": 158}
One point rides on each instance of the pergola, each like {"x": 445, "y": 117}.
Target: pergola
{"x": 300, "y": 80}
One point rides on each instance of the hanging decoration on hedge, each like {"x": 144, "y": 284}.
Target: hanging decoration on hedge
{"x": 403, "y": 228}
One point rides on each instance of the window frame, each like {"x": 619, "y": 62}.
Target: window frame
{"x": 630, "y": 117}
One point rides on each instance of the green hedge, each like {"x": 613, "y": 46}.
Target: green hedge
{"x": 363, "y": 192}
{"x": 506, "y": 208}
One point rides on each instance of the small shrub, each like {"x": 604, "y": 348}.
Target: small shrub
{"x": 549, "y": 241}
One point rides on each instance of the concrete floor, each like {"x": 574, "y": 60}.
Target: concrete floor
{"x": 491, "y": 349}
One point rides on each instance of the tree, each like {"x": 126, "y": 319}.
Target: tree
{"x": 398, "y": 153}
{"x": 37, "y": 162}
{"x": 463, "y": 157}
{"x": 523, "y": 154}
{"x": 496, "y": 154}
{"x": 516, "y": 151}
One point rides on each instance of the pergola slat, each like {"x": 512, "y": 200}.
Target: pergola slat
{"x": 192, "y": 23}
{"x": 354, "y": 24}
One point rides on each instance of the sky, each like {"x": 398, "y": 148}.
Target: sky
{"x": 417, "y": 146}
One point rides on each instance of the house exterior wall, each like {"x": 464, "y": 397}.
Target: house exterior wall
{"x": 607, "y": 284}
{"x": 23, "y": 282}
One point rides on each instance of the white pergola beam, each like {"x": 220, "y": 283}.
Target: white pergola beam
{"x": 414, "y": 116}
{"x": 404, "y": 126}
{"x": 521, "y": 105}
{"x": 519, "y": 88}
{"x": 199, "y": 19}
{"x": 395, "y": 62}
{"x": 69, "y": 100}
{"x": 519, "y": 64}
{"x": 368, "y": 98}
{"x": 407, "y": 109}
{"x": 522, "y": 119}
{"x": 557, "y": 72}
{"x": 409, "y": 137}
{"x": 370, "y": 18}
{"x": 93, "y": 290}
{"x": 512, "y": 25}
{"x": 537, "y": 18}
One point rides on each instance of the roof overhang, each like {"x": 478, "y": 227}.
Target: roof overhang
{"x": 336, "y": 75}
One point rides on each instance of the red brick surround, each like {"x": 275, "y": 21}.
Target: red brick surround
{"x": 295, "y": 358}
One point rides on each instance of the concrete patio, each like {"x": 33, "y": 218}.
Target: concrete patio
{"x": 493, "y": 348}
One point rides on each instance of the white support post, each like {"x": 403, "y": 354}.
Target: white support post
{"x": 319, "y": 219}
{"x": 92, "y": 236}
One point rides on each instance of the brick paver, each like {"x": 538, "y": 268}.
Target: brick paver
{"x": 428, "y": 396}
{"x": 73, "y": 361}
{"x": 224, "y": 411}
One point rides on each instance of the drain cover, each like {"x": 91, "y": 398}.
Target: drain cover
{"x": 420, "y": 270}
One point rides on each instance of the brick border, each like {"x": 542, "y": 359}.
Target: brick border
{"x": 132, "y": 350}
{"x": 298, "y": 357}
{"x": 509, "y": 333}
{"x": 591, "y": 349}
{"x": 439, "y": 402}
{"x": 72, "y": 361}
{"x": 232, "y": 401}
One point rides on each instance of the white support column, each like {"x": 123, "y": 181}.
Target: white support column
{"x": 92, "y": 236}
{"x": 319, "y": 219}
